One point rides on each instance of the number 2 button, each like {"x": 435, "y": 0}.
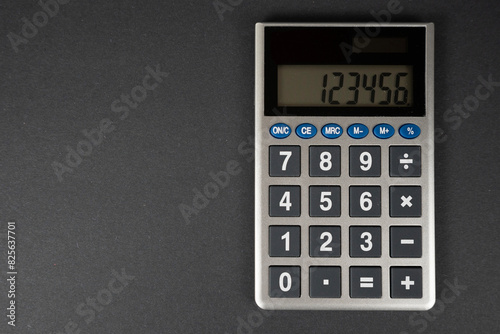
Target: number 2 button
{"x": 284, "y": 160}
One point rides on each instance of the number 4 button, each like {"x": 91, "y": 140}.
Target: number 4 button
{"x": 284, "y": 201}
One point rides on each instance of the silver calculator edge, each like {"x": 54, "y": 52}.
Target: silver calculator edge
{"x": 262, "y": 182}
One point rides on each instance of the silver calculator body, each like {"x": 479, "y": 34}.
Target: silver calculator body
{"x": 342, "y": 239}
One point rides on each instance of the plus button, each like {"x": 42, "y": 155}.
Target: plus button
{"x": 407, "y": 283}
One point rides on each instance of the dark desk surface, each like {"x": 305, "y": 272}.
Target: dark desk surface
{"x": 107, "y": 250}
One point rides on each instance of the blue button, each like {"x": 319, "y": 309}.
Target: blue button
{"x": 383, "y": 131}
{"x": 280, "y": 130}
{"x": 409, "y": 131}
{"x": 357, "y": 131}
{"x": 332, "y": 131}
{"x": 306, "y": 131}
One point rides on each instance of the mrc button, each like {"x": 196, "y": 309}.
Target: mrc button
{"x": 280, "y": 130}
{"x": 332, "y": 131}
{"x": 383, "y": 131}
{"x": 357, "y": 131}
{"x": 306, "y": 131}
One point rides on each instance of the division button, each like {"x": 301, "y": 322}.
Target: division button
{"x": 357, "y": 131}
{"x": 366, "y": 282}
{"x": 306, "y": 131}
{"x": 383, "y": 131}
{"x": 332, "y": 131}
{"x": 280, "y": 130}
{"x": 405, "y": 161}
{"x": 406, "y": 282}
{"x": 409, "y": 131}
{"x": 324, "y": 282}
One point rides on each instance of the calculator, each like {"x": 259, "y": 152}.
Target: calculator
{"x": 344, "y": 166}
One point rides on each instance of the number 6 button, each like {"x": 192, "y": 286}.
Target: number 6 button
{"x": 364, "y": 201}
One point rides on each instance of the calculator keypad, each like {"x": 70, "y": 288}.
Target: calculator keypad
{"x": 372, "y": 205}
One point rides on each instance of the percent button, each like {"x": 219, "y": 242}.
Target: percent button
{"x": 409, "y": 131}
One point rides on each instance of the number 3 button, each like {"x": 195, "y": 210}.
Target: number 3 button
{"x": 364, "y": 241}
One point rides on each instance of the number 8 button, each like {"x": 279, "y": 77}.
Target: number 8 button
{"x": 324, "y": 160}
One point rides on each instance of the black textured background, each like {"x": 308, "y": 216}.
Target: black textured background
{"x": 120, "y": 207}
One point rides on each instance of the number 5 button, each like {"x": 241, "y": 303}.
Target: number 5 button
{"x": 324, "y": 201}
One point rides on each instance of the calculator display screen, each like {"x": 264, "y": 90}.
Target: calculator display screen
{"x": 345, "y": 85}
{"x": 345, "y": 71}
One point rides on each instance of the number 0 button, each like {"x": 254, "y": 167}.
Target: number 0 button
{"x": 284, "y": 282}
{"x": 284, "y": 201}
{"x": 364, "y": 201}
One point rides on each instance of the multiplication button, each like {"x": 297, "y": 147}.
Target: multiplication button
{"x": 405, "y": 201}
{"x": 406, "y": 282}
